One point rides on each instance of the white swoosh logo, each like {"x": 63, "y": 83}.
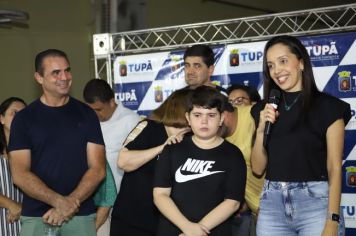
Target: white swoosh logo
{"x": 180, "y": 178}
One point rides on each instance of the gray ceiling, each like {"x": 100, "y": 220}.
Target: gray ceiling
{"x": 275, "y": 6}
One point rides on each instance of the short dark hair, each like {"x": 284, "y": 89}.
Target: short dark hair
{"x": 252, "y": 93}
{"x": 3, "y": 108}
{"x": 208, "y": 97}
{"x": 47, "y": 53}
{"x": 97, "y": 90}
{"x": 201, "y": 50}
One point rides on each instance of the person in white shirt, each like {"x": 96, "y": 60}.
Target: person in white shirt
{"x": 116, "y": 122}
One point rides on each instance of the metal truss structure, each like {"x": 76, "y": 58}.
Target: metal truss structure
{"x": 306, "y": 22}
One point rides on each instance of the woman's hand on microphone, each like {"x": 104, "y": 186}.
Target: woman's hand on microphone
{"x": 270, "y": 114}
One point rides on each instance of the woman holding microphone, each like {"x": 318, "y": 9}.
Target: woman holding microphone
{"x": 302, "y": 155}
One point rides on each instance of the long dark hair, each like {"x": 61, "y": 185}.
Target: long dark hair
{"x": 309, "y": 89}
{"x": 3, "y": 108}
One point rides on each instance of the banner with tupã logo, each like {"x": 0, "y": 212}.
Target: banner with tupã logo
{"x": 144, "y": 81}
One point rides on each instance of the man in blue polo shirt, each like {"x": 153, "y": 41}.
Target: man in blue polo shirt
{"x": 57, "y": 154}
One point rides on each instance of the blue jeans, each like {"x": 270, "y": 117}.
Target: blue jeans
{"x": 294, "y": 208}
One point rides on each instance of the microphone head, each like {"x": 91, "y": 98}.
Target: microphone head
{"x": 274, "y": 96}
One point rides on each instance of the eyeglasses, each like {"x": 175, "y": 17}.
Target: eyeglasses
{"x": 238, "y": 101}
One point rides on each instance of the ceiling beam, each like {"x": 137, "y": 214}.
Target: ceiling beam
{"x": 242, "y": 6}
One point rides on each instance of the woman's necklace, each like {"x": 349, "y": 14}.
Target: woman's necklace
{"x": 288, "y": 107}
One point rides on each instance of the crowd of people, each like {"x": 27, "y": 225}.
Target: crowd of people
{"x": 200, "y": 164}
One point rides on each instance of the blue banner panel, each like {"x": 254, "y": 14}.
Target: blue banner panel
{"x": 144, "y": 81}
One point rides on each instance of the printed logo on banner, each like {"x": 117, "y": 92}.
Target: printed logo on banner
{"x": 172, "y": 67}
{"x": 243, "y": 57}
{"x": 140, "y": 67}
{"x": 123, "y": 68}
{"x": 352, "y": 123}
{"x": 132, "y": 68}
{"x": 353, "y": 118}
{"x": 175, "y": 61}
{"x": 350, "y": 175}
{"x": 348, "y": 206}
{"x": 158, "y": 94}
{"x": 131, "y": 94}
{"x": 344, "y": 81}
{"x": 129, "y": 97}
{"x": 321, "y": 52}
{"x": 137, "y": 68}
{"x": 330, "y": 50}
{"x": 234, "y": 57}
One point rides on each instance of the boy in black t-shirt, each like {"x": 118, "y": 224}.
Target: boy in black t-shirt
{"x": 200, "y": 182}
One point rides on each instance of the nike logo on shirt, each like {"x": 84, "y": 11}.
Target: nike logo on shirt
{"x": 199, "y": 168}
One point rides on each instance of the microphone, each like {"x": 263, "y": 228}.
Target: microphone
{"x": 273, "y": 99}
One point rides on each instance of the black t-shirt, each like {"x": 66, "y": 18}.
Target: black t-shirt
{"x": 57, "y": 138}
{"x": 200, "y": 180}
{"x": 134, "y": 203}
{"x": 297, "y": 148}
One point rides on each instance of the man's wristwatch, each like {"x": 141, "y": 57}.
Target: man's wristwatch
{"x": 334, "y": 217}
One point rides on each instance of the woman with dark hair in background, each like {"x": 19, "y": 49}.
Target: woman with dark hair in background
{"x": 10, "y": 195}
{"x": 134, "y": 212}
{"x": 303, "y": 153}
